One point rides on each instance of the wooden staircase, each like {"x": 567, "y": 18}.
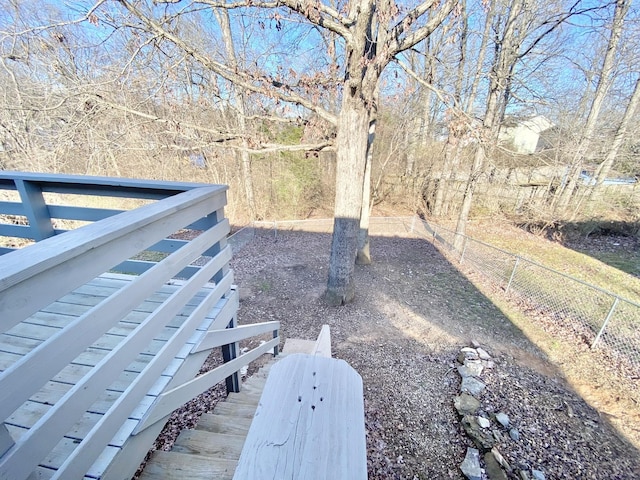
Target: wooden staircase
{"x": 212, "y": 449}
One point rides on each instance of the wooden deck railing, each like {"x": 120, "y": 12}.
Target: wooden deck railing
{"x": 159, "y": 353}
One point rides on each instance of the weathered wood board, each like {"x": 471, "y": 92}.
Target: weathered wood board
{"x": 309, "y": 423}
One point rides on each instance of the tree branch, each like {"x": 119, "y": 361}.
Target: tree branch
{"x": 316, "y": 13}
{"x": 224, "y": 136}
{"x": 421, "y": 33}
{"x": 273, "y": 88}
{"x": 271, "y": 147}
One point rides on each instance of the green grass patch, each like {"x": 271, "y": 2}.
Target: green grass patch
{"x": 612, "y": 273}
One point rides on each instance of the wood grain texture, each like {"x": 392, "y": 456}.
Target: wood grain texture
{"x": 323, "y": 343}
{"x": 309, "y": 423}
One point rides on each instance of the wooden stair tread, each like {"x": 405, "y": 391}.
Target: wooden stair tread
{"x": 181, "y": 466}
{"x": 245, "y": 398}
{"x": 201, "y": 442}
{"x": 235, "y": 410}
{"x": 214, "y": 423}
{"x": 213, "y": 448}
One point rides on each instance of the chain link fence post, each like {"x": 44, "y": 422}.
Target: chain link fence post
{"x": 513, "y": 273}
{"x": 464, "y": 249}
{"x": 606, "y": 321}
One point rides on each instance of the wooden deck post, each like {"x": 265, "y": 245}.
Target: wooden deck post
{"x": 36, "y": 210}
{"x": 229, "y": 352}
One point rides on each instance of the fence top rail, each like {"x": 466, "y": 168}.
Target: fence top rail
{"x": 107, "y": 186}
{"x": 539, "y": 265}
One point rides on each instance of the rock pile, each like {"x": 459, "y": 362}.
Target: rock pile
{"x": 485, "y": 428}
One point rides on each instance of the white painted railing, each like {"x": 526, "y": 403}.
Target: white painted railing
{"x": 116, "y": 440}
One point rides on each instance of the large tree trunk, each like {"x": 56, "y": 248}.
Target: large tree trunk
{"x": 363, "y": 256}
{"x": 467, "y": 200}
{"x": 351, "y": 148}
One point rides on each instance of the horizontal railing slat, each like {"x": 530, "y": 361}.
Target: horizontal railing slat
{"x": 17, "y": 231}
{"x": 82, "y": 458}
{"x": 59, "y": 350}
{"x": 88, "y": 214}
{"x": 27, "y": 453}
{"x": 102, "y": 186}
{"x": 216, "y": 338}
{"x": 11, "y": 208}
{"x": 138, "y": 267}
{"x": 169, "y": 401}
{"x": 221, "y": 321}
{"x": 80, "y": 255}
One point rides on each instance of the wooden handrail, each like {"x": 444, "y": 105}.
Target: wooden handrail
{"x": 38, "y": 275}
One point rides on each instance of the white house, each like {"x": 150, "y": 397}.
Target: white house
{"x": 524, "y": 134}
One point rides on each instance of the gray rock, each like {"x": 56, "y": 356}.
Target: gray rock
{"x": 514, "y": 434}
{"x": 473, "y": 386}
{"x": 537, "y": 475}
{"x": 524, "y": 475}
{"x": 483, "y": 422}
{"x": 474, "y": 365}
{"x": 500, "y": 459}
{"x": 502, "y": 419}
{"x": 488, "y": 364}
{"x": 470, "y": 353}
{"x": 470, "y": 466}
{"x": 483, "y": 354}
{"x": 493, "y": 470}
{"x": 470, "y": 369}
{"x": 466, "y": 404}
{"x": 475, "y": 343}
{"x": 481, "y": 437}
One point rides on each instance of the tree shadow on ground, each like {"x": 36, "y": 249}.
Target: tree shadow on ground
{"x": 412, "y": 313}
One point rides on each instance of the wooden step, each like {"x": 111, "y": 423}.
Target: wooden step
{"x": 255, "y": 385}
{"x": 222, "y": 424}
{"x": 201, "y": 442}
{"x": 235, "y": 410}
{"x": 244, "y": 397}
{"x": 181, "y": 466}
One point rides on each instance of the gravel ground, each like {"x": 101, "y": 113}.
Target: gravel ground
{"x": 412, "y": 314}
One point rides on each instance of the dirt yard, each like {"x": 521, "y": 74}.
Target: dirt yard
{"x": 412, "y": 314}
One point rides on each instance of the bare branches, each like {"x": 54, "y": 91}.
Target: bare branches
{"x": 276, "y": 147}
{"x": 315, "y": 12}
{"x": 90, "y": 15}
{"x": 414, "y": 37}
{"x": 262, "y": 84}
{"x": 223, "y": 136}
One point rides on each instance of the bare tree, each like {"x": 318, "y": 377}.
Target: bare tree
{"x": 618, "y": 139}
{"x": 372, "y": 34}
{"x": 605, "y": 79}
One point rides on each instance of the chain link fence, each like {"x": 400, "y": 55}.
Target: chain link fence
{"x": 563, "y": 305}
